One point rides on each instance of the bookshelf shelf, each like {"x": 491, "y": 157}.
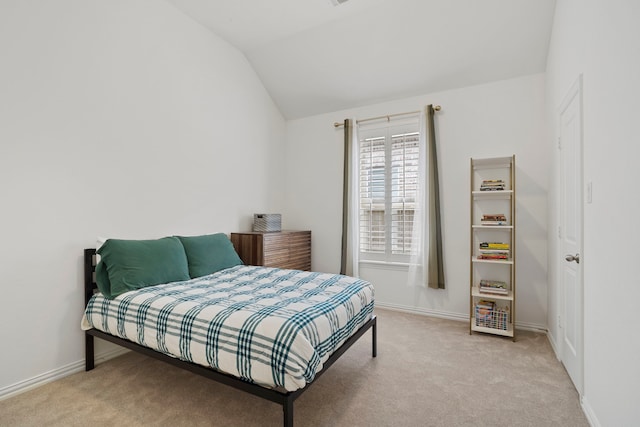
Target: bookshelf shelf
{"x": 503, "y": 194}
{"x": 475, "y": 292}
{"x": 508, "y": 333}
{"x": 492, "y": 261}
{"x": 492, "y": 197}
{"x": 493, "y": 162}
{"x": 493, "y": 227}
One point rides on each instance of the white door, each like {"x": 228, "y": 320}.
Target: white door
{"x": 570, "y": 235}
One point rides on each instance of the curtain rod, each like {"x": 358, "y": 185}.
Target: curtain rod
{"x": 388, "y": 116}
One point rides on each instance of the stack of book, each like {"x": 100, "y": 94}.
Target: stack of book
{"x": 484, "y": 312}
{"x": 495, "y": 287}
{"x": 492, "y": 185}
{"x": 493, "y": 251}
{"x": 493, "y": 219}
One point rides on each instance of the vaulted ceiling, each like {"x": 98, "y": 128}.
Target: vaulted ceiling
{"x": 314, "y": 57}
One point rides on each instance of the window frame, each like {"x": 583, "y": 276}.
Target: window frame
{"x": 388, "y": 131}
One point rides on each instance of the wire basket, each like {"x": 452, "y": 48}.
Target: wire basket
{"x": 495, "y": 318}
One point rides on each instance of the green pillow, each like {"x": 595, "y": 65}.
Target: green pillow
{"x": 208, "y": 254}
{"x": 126, "y": 265}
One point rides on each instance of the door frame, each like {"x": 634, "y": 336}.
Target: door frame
{"x": 576, "y": 90}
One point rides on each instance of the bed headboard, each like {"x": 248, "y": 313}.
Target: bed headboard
{"x": 89, "y": 274}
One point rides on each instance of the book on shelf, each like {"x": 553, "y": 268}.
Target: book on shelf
{"x": 493, "y": 219}
{"x": 493, "y": 251}
{"x": 495, "y": 287}
{"x": 494, "y": 216}
{"x": 498, "y": 254}
{"x": 494, "y": 291}
{"x": 500, "y": 257}
{"x": 483, "y": 303}
{"x": 494, "y": 245}
{"x": 484, "y": 311}
{"x": 486, "y": 304}
{"x": 492, "y": 185}
{"x": 493, "y": 283}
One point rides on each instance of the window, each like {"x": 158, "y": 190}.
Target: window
{"x": 388, "y": 185}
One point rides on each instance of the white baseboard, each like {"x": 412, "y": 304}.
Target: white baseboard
{"x": 56, "y": 374}
{"x": 589, "y": 413}
{"x": 452, "y": 316}
{"x": 554, "y": 345}
{"x": 584, "y": 403}
{"x": 534, "y": 327}
{"x": 424, "y": 311}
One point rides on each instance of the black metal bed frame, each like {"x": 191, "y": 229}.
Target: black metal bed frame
{"x": 285, "y": 399}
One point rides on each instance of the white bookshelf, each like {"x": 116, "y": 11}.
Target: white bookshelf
{"x": 488, "y": 312}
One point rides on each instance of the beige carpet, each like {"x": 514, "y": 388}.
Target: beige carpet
{"x": 429, "y": 372}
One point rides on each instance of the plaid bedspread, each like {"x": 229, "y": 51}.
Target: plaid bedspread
{"x": 270, "y": 326}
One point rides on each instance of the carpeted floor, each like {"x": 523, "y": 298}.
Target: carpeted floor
{"x": 429, "y": 372}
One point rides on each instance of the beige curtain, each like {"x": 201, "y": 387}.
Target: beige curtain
{"x": 345, "y": 196}
{"x": 350, "y": 250}
{"x": 435, "y": 268}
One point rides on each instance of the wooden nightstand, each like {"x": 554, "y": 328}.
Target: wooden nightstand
{"x": 281, "y": 249}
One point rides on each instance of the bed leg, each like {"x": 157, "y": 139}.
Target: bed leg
{"x": 374, "y": 335}
{"x": 88, "y": 352}
{"x": 287, "y": 407}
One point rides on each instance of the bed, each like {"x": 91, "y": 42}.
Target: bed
{"x": 266, "y": 331}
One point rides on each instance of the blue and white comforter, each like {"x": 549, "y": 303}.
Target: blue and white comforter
{"x": 270, "y": 326}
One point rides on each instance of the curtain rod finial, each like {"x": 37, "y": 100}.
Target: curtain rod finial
{"x": 437, "y": 107}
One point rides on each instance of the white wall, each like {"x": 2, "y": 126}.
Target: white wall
{"x": 600, "y": 41}
{"x": 497, "y": 119}
{"x": 118, "y": 118}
